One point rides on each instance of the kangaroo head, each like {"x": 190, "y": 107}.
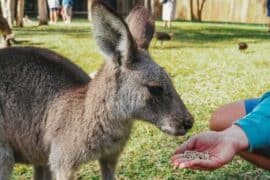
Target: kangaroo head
{"x": 145, "y": 90}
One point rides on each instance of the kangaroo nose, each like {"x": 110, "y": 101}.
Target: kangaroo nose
{"x": 188, "y": 122}
{"x": 188, "y": 125}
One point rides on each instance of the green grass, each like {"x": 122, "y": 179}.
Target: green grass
{"x": 208, "y": 70}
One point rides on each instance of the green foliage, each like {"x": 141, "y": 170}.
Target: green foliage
{"x": 208, "y": 70}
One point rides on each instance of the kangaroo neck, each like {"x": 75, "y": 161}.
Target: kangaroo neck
{"x": 103, "y": 98}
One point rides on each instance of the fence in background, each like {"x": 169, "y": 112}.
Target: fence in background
{"x": 245, "y": 11}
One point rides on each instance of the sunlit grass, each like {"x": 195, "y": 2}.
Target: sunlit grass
{"x": 208, "y": 70}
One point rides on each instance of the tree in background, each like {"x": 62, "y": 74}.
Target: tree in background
{"x": 5, "y": 30}
{"x": 197, "y": 15}
{"x": 19, "y": 13}
{"x": 8, "y": 10}
{"x": 150, "y": 5}
{"x": 42, "y": 12}
{"x": 11, "y": 9}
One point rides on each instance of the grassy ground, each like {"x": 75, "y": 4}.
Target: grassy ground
{"x": 208, "y": 70}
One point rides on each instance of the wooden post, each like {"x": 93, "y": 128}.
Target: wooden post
{"x": 8, "y": 10}
{"x": 42, "y": 12}
{"x": 20, "y": 13}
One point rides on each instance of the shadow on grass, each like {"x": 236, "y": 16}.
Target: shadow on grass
{"x": 165, "y": 47}
{"x": 76, "y": 32}
{"x": 186, "y": 34}
{"x": 210, "y": 33}
{"x": 27, "y": 43}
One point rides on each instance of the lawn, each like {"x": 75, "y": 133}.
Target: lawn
{"x": 207, "y": 69}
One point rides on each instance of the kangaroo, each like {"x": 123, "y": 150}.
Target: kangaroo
{"x": 54, "y": 117}
{"x": 163, "y": 36}
{"x": 142, "y": 26}
{"x": 6, "y": 32}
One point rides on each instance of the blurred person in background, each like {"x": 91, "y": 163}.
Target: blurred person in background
{"x": 168, "y": 12}
{"x": 54, "y": 6}
{"x": 67, "y": 10}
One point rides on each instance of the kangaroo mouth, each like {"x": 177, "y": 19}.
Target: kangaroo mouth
{"x": 174, "y": 131}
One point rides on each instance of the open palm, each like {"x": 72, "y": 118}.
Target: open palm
{"x": 220, "y": 147}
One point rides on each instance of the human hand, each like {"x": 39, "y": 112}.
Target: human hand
{"x": 221, "y": 147}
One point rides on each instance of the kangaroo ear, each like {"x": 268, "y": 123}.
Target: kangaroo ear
{"x": 112, "y": 34}
{"x": 142, "y": 26}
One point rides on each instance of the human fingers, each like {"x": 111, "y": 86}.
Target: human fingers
{"x": 188, "y": 145}
{"x": 196, "y": 164}
{"x": 177, "y": 156}
{"x": 178, "y": 161}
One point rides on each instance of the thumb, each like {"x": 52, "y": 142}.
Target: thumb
{"x": 188, "y": 145}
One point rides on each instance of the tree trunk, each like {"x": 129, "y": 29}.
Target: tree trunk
{"x": 191, "y": 10}
{"x": 42, "y": 12}
{"x": 147, "y": 4}
{"x": 89, "y": 2}
{"x": 8, "y": 10}
{"x": 197, "y": 15}
{"x": 150, "y": 5}
{"x": 4, "y": 27}
{"x": 20, "y": 13}
{"x": 5, "y": 30}
{"x": 153, "y": 7}
{"x": 200, "y": 9}
{"x": 11, "y": 4}
{"x": 4, "y": 8}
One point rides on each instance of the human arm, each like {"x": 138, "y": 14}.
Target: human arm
{"x": 255, "y": 126}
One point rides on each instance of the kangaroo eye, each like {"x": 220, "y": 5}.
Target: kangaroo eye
{"x": 155, "y": 90}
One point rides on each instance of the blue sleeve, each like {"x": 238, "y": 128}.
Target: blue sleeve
{"x": 256, "y": 125}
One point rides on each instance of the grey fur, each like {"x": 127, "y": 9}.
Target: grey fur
{"x": 52, "y": 114}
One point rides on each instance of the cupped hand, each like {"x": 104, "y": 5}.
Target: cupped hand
{"x": 221, "y": 147}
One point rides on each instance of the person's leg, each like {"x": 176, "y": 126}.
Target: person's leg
{"x": 64, "y": 13}
{"x": 165, "y": 24}
{"x": 169, "y": 24}
{"x": 226, "y": 115}
{"x": 70, "y": 13}
{"x": 56, "y": 15}
{"x": 51, "y": 16}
